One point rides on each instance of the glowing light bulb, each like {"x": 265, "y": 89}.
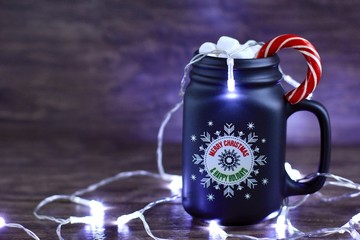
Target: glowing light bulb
{"x": 86, "y": 220}
{"x": 281, "y": 226}
{"x": 97, "y": 209}
{"x": 176, "y": 184}
{"x": 284, "y": 229}
{"x": 216, "y": 231}
{"x": 2, "y": 222}
{"x": 231, "y": 85}
{"x": 124, "y": 219}
{"x": 231, "y": 80}
{"x": 293, "y": 173}
{"x": 281, "y": 221}
{"x": 272, "y": 215}
{"x": 356, "y": 218}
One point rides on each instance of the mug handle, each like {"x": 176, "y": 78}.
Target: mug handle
{"x": 313, "y": 184}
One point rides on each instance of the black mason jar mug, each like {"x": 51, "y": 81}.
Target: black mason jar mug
{"x": 234, "y": 142}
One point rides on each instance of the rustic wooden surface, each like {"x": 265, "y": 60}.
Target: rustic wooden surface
{"x": 33, "y": 168}
{"x": 107, "y": 66}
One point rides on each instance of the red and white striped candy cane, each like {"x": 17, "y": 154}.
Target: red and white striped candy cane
{"x": 312, "y": 58}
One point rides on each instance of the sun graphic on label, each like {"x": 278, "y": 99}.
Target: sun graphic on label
{"x": 228, "y": 159}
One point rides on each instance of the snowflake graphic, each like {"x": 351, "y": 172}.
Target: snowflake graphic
{"x": 265, "y": 181}
{"x": 247, "y": 196}
{"x": 210, "y": 197}
{"x": 250, "y": 126}
{"x": 193, "y": 177}
{"x": 229, "y": 160}
{"x": 193, "y": 138}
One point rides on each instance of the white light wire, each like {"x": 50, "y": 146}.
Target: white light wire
{"x": 74, "y": 198}
{"x": 291, "y": 81}
{"x": 48, "y": 200}
{"x": 285, "y": 230}
{"x": 200, "y": 56}
{"x": 19, "y": 226}
{"x": 58, "y": 229}
{"x": 140, "y": 214}
{"x": 160, "y": 139}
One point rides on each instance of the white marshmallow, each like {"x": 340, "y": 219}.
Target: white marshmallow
{"x": 207, "y": 47}
{"x": 228, "y": 44}
{"x": 232, "y": 47}
{"x": 244, "y": 52}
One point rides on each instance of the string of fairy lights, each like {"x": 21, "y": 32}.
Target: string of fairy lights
{"x": 283, "y": 227}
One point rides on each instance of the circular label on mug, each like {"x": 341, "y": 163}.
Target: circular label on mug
{"x": 229, "y": 160}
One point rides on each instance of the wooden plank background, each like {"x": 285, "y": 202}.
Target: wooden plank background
{"x": 113, "y": 67}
